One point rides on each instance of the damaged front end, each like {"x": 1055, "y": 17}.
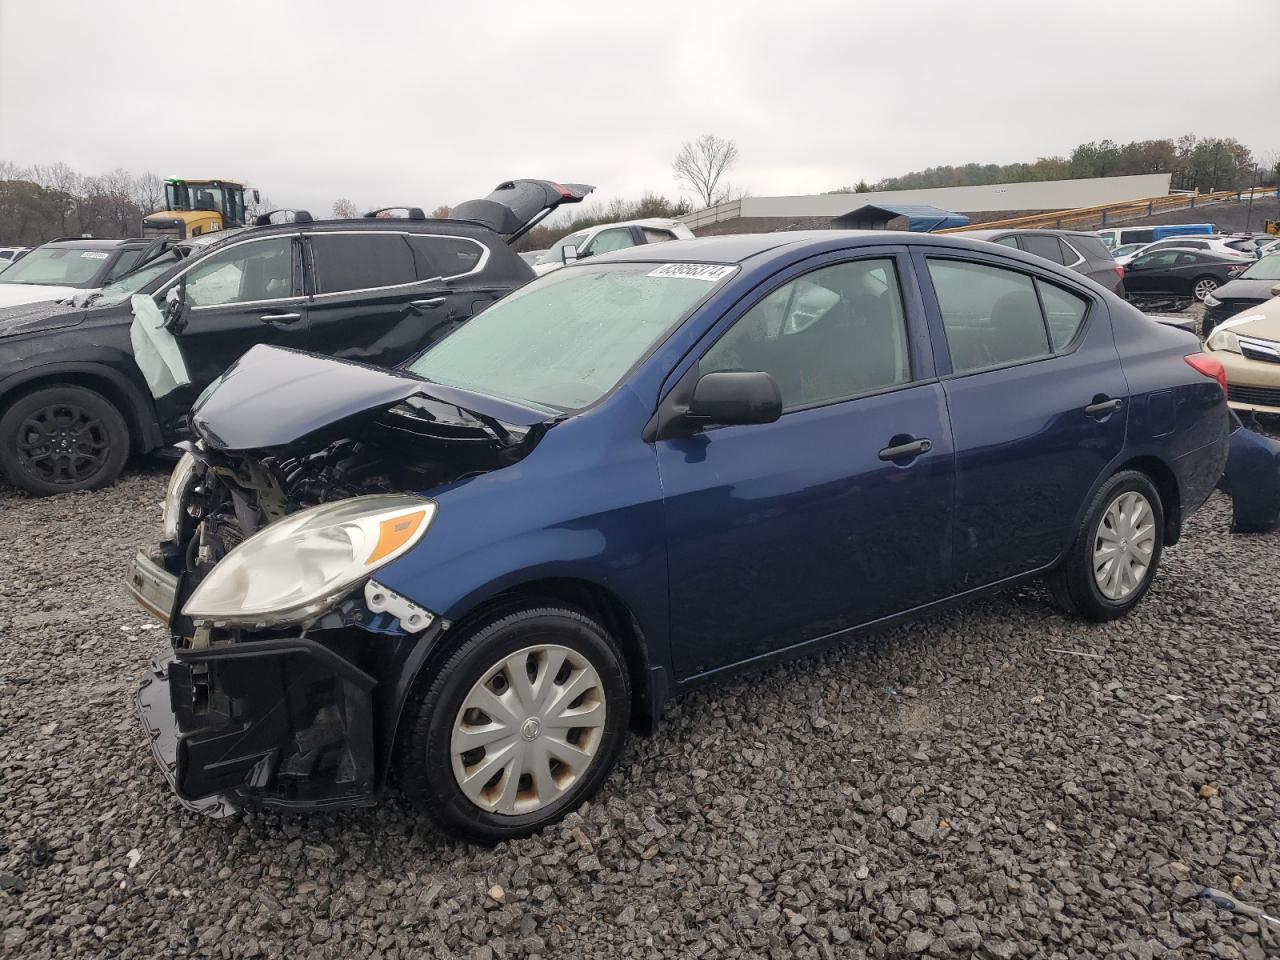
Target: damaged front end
{"x": 290, "y": 662}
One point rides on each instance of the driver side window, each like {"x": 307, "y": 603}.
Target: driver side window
{"x": 606, "y": 241}
{"x": 247, "y": 272}
{"x": 829, "y": 335}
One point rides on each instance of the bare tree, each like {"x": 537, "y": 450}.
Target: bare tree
{"x": 702, "y": 163}
{"x": 441, "y": 212}
{"x": 148, "y": 192}
{"x": 344, "y": 209}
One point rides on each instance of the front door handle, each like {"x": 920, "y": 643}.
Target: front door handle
{"x": 904, "y": 451}
{"x": 1101, "y": 408}
{"x": 284, "y": 318}
{"x": 429, "y": 304}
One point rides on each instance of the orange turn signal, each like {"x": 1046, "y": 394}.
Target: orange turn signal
{"x": 394, "y": 534}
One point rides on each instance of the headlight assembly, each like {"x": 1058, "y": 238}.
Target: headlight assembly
{"x": 179, "y": 480}
{"x": 300, "y": 566}
{"x": 1223, "y": 340}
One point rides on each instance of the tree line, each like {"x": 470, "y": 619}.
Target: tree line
{"x": 1203, "y": 164}
{"x": 44, "y": 201}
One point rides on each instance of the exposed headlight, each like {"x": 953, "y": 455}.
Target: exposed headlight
{"x": 1223, "y": 340}
{"x": 300, "y": 566}
{"x": 179, "y": 480}
{"x": 1211, "y": 301}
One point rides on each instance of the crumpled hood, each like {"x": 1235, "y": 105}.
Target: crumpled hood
{"x": 273, "y": 397}
{"x": 34, "y": 317}
{"x": 15, "y": 294}
{"x": 1245, "y": 289}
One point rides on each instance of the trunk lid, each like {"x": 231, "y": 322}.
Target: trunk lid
{"x": 514, "y": 207}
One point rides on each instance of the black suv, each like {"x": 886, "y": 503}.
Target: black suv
{"x": 1082, "y": 252}
{"x": 86, "y": 381}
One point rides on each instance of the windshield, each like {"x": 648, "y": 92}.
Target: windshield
{"x": 1268, "y": 268}
{"x": 563, "y": 342}
{"x": 122, "y": 288}
{"x": 553, "y": 255}
{"x": 58, "y": 266}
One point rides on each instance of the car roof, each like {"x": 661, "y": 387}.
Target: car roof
{"x": 89, "y": 243}
{"x": 740, "y": 247}
{"x": 1009, "y": 231}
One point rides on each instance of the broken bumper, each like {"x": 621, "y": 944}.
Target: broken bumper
{"x": 272, "y": 723}
{"x": 152, "y": 586}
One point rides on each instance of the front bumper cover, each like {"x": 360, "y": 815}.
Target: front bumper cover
{"x": 281, "y": 722}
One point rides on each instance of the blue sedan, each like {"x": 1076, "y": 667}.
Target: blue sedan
{"x": 634, "y": 475}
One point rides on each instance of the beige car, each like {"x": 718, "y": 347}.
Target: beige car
{"x": 1248, "y": 345}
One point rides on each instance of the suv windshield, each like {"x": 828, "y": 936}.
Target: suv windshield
{"x": 122, "y": 288}
{"x": 1268, "y": 268}
{"x": 563, "y": 342}
{"x": 553, "y": 255}
{"x": 57, "y": 266}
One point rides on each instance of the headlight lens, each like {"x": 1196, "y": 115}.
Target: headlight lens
{"x": 300, "y": 566}
{"x": 179, "y": 480}
{"x": 1223, "y": 340}
{"x": 1211, "y": 301}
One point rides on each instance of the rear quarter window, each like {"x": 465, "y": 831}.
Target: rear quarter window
{"x": 1042, "y": 246}
{"x": 1090, "y": 247}
{"x": 444, "y": 256}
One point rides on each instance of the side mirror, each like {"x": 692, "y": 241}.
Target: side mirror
{"x": 175, "y": 302}
{"x": 731, "y": 397}
{"x": 568, "y": 253}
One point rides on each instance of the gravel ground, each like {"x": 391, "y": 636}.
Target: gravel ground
{"x": 998, "y": 781}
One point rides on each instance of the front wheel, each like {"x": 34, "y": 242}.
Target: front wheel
{"x": 519, "y": 726}
{"x": 64, "y": 438}
{"x": 1114, "y": 558}
{"x": 1203, "y": 287}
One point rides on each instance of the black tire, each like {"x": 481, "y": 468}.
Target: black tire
{"x": 1072, "y": 585}
{"x": 1196, "y": 295}
{"x": 424, "y": 755}
{"x": 60, "y": 439}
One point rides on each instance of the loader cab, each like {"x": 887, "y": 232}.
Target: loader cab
{"x": 196, "y": 207}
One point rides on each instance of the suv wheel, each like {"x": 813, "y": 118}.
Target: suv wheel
{"x": 1110, "y": 566}
{"x": 520, "y": 725}
{"x": 59, "y": 439}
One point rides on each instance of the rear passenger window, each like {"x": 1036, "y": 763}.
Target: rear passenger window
{"x": 1008, "y": 242}
{"x": 444, "y": 256}
{"x": 991, "y": 316}
{"x": 828, "y": 335}
{"x": 654, "y": 235}
{"x": 361, "y": 261}
{"x": 1063, "y": 311}
{"x": 1043, "y": 246}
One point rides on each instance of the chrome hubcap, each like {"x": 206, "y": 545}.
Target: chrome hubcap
{"x": 1124, "y": 545}
{"x": 1204, "y": 288}
{"x": 528, "y": 729}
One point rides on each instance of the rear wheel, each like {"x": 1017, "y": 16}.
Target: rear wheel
{"x": 1203, "y": 287}
{"x": 1114, "y": 558}
{"x": 60, "y": 439}
{"x": 520, "y": 725}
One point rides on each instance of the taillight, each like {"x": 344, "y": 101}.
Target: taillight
{"x": 1211, "y": 367}
{"x": 1119, "y": 269}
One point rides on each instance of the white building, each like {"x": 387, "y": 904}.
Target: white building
{"x": 1011, "y": 198}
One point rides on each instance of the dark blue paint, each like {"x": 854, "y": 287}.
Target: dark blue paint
{"x": 741, "y": 542}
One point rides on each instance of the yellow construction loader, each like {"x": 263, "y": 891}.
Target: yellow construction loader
{"x": 195, "y": 207}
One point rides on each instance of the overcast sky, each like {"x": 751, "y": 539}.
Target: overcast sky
{"x": 429, "y": 103}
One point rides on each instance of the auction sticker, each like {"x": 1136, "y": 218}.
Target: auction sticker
{"x": 710, "y": 272}
{"x": 94, "y": 255}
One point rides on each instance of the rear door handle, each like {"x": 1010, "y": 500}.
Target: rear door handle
{"x": 284, "y": 318}
{"x": 1103, "y": 407}
{"x": 429, "y": 304}
{"x": 905, "y": 450}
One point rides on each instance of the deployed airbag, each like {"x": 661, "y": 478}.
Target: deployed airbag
{"x": 155, "y": 349}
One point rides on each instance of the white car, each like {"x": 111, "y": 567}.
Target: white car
{"x": 1241, "y": 248}
{"x": 10, "y": 254}
{"x": 62, "y": 268}
{"x": 608, "y": 237}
